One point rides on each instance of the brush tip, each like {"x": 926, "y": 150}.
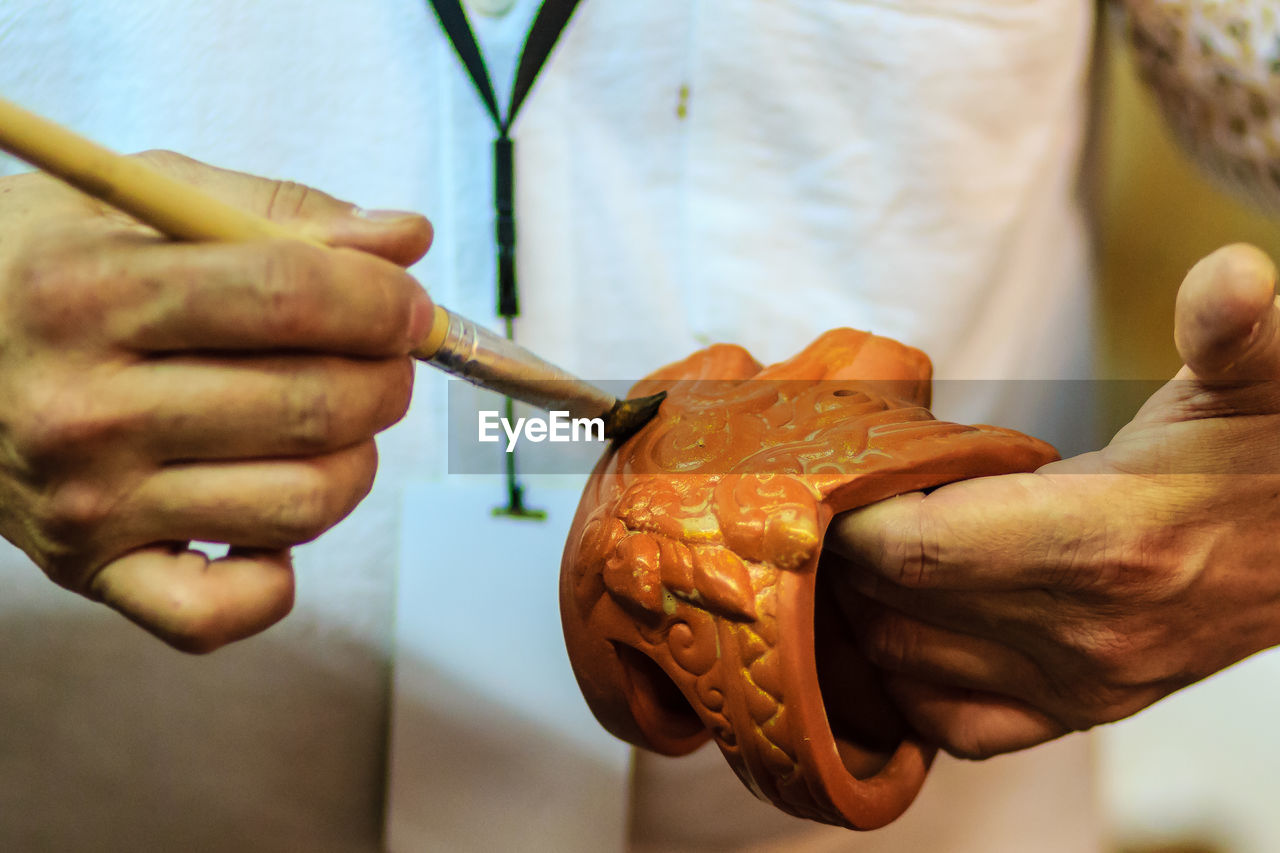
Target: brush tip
{"x": 628, "y": 416}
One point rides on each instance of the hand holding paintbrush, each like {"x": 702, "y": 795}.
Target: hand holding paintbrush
{"x": 453, "y": 343}
{"x": 223, "y": 390}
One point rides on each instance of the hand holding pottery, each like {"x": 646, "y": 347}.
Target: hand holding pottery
{"x": 693, "y": 603}
{"x": 1015, "y": 609}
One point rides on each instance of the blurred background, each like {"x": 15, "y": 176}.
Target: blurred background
{"x": 1199, "y": 772}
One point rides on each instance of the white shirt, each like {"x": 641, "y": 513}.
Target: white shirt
{"x": 688, "y": 172}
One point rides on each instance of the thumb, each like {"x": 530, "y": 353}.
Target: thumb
{"x": 398, "y": 236}
{"x": 193, "y": 603}
{"x": 1227, "y": 323}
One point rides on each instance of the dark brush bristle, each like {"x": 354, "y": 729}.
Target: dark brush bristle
{"x": 628, "y": 416}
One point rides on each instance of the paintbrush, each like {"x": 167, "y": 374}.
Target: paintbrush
{"x": 455, "y": 344}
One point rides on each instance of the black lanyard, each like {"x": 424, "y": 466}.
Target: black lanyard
{"x": 553, "y": 16}
{"x": 550, "y": 22}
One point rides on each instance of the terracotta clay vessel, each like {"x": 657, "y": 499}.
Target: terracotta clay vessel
{"x": 690, "y": 590}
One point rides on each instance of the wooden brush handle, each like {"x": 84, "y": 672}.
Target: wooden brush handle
{"x": 129, "y": 184}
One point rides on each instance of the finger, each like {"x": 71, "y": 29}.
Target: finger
{"x": 1015, "y": 531}
{"x": 269, "y": 504}
{"x": 397, "y": 236}
{"x": 277, "y": 295}
{"x": 1226, "y": 323}
{"x": 190, "y": 409}
{"x": 1001, "y": 616}
{"x": 899, "y": 644}
{"x": 196, "y": 604}
{"x": 970, "y": 724}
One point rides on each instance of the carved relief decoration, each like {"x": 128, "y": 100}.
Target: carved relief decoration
{"x": 689, "y": 593}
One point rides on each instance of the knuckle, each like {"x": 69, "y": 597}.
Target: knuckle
{"x": 304, "y": 512}
{"x": 287, "y": 199}
{"x": 1100, "y": 647}
{"x": 49, "y": 292}
{"x": 928, "y": 559}
{"x": 1075, "y": 636}
{"x": 1130, "y": 656}
{"x": 289, "y": 271}
{"x": 308, "y": 414}
{"x": 1103, "y": 678}
{"x": 913, "y": 555}
{"x": 385, "y": 293}
{"x": 54, "y": 425}
{"x": 74, "y": 284}
{"x": 1110, "y": 653}
{"x": 901, "y": 546}
{"x": 388, "y": 326}
{"x": 1156, "y": 566}
{"x": 909, "y": 569}
{"x": 73, "y": 511}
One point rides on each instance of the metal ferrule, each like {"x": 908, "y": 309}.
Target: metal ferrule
{"x": 479, "y": 356}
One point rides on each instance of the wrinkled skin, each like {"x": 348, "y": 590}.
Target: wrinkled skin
{"x": 1011, "y": 610}
{"x": 155, "y": 393}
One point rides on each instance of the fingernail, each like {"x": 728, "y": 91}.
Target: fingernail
{"x": 385, "y": 216}
{"x": 1253, "y": 335}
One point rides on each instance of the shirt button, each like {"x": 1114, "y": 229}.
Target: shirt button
{"x": 492, "y": 8}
